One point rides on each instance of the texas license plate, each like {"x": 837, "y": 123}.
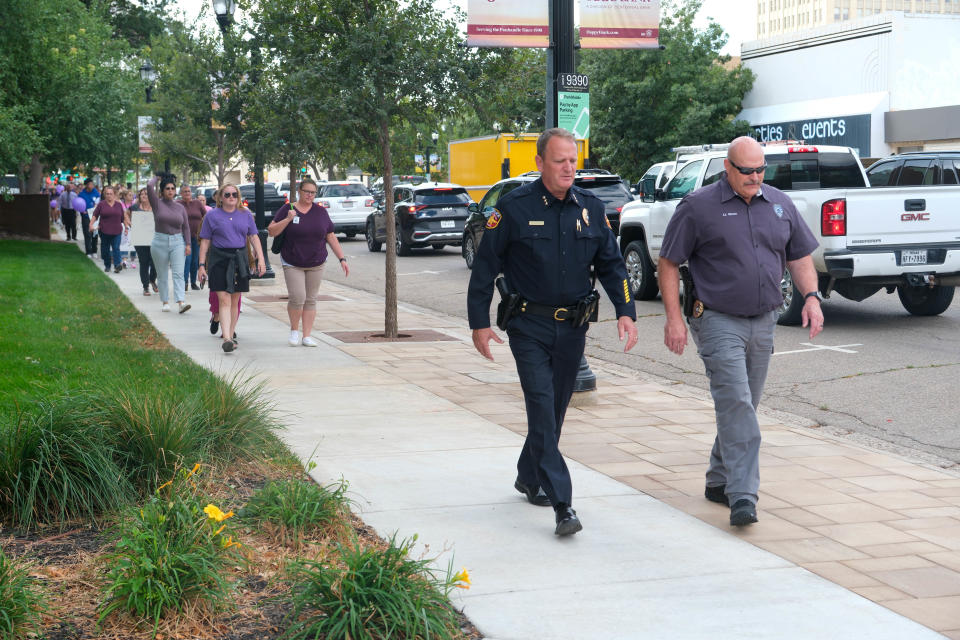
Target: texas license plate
{"x": 913, "y": 256}
{"x": 447, "y": 224}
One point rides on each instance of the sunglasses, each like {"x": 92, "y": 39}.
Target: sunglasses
{"x": 232, "y": 194}
{"x": 748, "y": 170}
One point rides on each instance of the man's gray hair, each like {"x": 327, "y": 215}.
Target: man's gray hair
{"x": 556, "y": 132}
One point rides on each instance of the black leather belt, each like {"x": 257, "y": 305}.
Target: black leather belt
{"x": 557, "y": 313}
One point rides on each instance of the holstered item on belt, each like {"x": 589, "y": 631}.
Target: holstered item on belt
{"x": 689, "y": 294}
{"x": 587, "y": 309}
{"x": 509, "y": 304}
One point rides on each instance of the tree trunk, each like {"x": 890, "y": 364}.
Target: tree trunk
{"x": 35, "y": 176}
{"x": 316, "y": 171}
{"x": 294, "y": 178}
{"x": 390, "y": 327}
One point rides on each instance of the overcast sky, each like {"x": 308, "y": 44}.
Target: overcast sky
{"x": 737, "y": 17}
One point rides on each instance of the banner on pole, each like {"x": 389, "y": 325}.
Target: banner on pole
{"x": 619, "y": 24}
{"x": 507, "y": 23}
{"x": 144, "y": 123}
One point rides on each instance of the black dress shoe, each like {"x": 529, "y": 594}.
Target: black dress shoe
{"x": 214, "y": 327}
{"x": 535, "y": 495}
{"x": 717, "y": 494}
{"x": 743, "y": 512}
{"x": 567, "y": 521}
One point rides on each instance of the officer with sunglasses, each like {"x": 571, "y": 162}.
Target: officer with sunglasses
{"x": 737, "y": 235}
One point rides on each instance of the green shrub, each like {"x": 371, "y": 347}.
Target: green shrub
{"x": 297, "y": 506}
{"x": 158, "y": 430}
{"x": 56, "y": 465}
{"x": 21, "y": 601}
{"x": 172, "y": 551}
{"x": 372, "y": 594}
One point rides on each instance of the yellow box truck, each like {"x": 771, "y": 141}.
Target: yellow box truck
{"x": 478, "y": 163}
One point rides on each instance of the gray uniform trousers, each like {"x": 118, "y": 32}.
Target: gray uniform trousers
{"x": 736, "y": 354}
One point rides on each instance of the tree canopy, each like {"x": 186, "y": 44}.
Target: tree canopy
{"x": 643, "y": 102}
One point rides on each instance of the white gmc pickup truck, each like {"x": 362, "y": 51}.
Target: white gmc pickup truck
{"x": 897, "y": 238}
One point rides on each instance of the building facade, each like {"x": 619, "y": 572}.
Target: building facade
{"x": 881, "y": 84}
{"x": 779, "y": 17}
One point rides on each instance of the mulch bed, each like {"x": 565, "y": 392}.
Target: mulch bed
{"x": 406, "y": 335}
{"x": 69, "y": 566}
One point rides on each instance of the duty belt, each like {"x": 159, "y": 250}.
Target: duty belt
{"x": 557, "y": 313}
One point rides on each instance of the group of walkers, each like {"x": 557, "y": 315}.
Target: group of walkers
{"x": 218, "y": 245}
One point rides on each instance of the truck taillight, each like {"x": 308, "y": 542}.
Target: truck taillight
{"x": 245, "y": 203}
{"x": 833, "y": 217}
{"x": 801, "y": 149}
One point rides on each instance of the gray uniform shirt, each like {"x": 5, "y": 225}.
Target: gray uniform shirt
{"x": 737, "y": 251}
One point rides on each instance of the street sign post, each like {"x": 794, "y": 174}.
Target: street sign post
{"x": 573, "y": 104}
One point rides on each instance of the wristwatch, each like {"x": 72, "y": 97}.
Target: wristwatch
{"x": 813, "y": 294}
{"x": 343, "y": 259}
{"x": 203, "y": 264}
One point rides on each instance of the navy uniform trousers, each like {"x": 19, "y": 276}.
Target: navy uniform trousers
{"x": 547, "y": 353}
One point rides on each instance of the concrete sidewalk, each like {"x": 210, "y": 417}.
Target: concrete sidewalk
{"x": 851, "y": 543}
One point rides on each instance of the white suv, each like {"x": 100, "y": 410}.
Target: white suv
{"x": 348, "y": 203}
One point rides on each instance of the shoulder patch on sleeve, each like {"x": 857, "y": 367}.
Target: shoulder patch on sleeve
{"x": 494, "y": 219}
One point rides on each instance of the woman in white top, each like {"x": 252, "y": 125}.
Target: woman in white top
{"x": 140, "y": 219}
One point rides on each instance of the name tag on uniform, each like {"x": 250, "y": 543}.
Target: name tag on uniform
{"x": 536, "y": 223}
{"x": 296, "y": 220}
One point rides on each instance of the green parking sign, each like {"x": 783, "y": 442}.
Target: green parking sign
{"x": 573, "y": 104}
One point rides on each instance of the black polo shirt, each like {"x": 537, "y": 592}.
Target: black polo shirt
{"x": 737, "y": 251}
{"x": 544, "y": 247}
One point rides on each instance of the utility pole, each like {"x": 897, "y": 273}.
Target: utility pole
{"x": 560, "y": 59}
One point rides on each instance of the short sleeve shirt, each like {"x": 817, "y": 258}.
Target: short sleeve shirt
{"x": 737, "y": 251}
{"x": 228, "y": 230}
{"x": 305, "y": 243}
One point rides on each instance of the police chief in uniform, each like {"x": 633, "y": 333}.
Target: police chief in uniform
{"x": 737, "y": 234}
{"x": 544, "y": 236}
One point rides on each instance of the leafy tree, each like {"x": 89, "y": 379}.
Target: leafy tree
{"x": 370, "y": 66}
{"x": 67, "y": 93}
{"x": 198, "y": 101}
{"x": 136, "y": 21}
{"x": 644, "y": 102}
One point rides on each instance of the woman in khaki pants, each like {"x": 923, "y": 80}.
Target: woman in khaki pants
{"x": 308, "y": 230}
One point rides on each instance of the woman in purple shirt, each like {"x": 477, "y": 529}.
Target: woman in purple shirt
{"x": 171, "y": 241}
{"x": 109, "y": 215}
{"x": 307, "y": 230}
{"x": 223, "y": 240}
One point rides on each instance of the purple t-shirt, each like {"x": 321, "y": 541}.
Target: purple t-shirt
{"x": 306, "y": 241}
{"x": 111, "y": 218}
{"x": 737, "y": 251}
{"x": 228, "y": 230}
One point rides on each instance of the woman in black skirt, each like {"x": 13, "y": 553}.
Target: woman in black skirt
{"x": 223, "y": 256}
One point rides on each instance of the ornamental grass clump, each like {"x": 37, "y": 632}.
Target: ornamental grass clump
{"x": 21, "y": 600}
{"x": 50, "y": 474}
{"x": 173, "y": 552}
{"x": 368, "y": 594}
{"x": 156, "y": 430}
{"x": 298, "y": 507}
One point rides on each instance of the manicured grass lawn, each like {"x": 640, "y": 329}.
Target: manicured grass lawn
{"x": 64, "y": 325}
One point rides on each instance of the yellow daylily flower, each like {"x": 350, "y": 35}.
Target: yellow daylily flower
{"x": 462, "y": 579}
{"x": 196, "y": 468}
{"x": 215, "y": 514}
{"x": 165, "y": 485}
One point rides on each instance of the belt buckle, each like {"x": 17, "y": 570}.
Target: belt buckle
{"x": 556, "y": 313}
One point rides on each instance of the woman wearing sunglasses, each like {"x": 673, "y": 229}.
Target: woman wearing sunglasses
{"x": 223, "y": 257}
{"x": 307, "y": 230}
{"x": 171, "y": 241}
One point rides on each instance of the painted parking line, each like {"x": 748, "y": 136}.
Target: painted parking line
{"x": 842, "y": 348}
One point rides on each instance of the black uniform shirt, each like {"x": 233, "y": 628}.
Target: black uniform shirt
{"x": 544, "y": 247}
{"x": 737, "y": 251}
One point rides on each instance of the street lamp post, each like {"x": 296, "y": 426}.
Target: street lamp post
{"x": 224, "y": 10}
{"x": 149, "y": 76}
{"x": 433, "y": 137}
